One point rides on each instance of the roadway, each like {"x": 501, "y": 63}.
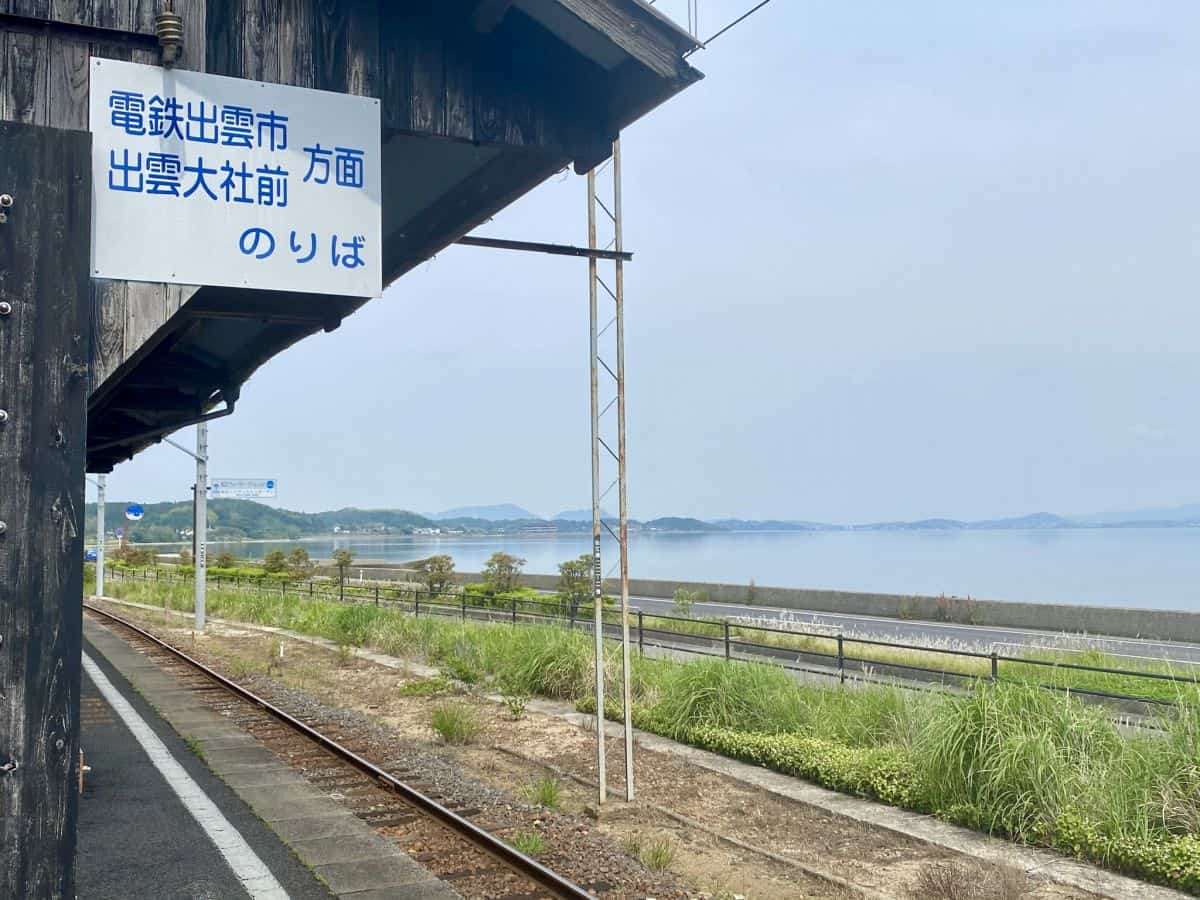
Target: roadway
{"x": 926, "y": 633}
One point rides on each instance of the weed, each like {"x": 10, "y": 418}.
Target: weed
{"x": 965, "y": 881}
{"x": 516, "y": 704}
{"x": 345, "y": 655}
{"x": 425, "y": 687}
{"x": 456, "y": 723}
{"x": 529, "y": 842}
{"x": 241, "y": 668}
{"x": 545, "y": 791}
{"x": 194, "y": 745}
{"x": 658, "y": 855}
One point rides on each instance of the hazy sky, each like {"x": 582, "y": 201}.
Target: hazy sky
{"x": 893, "y": 261}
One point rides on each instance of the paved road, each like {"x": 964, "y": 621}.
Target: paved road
{"x": 924, "y": 632}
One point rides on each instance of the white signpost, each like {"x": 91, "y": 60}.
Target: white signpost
{"x": 243, "y": 488}
{"x": 208, "y": 180}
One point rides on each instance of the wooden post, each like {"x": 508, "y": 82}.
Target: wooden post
{"x": 45, "y": 337}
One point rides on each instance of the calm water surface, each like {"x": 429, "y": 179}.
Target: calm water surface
{"x": 1141, "y": 567}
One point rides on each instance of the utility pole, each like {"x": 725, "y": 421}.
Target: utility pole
{"x": 99, "y": 482}
{"x": 200, "y": 557}
{"x": 597, "y": 575}
{"x": 199, "y": 516}
{"x": 101, "y": 499}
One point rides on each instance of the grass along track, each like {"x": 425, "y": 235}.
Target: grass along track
{"x": 1009, "y": 759}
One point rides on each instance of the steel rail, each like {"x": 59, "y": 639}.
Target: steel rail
{"x": 509, "y": 856}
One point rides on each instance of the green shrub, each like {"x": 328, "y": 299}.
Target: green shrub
{"x": 545, "y": 791}
{"x": 456, "y": 723}
{"x": 529, "y": 842}
{"x": 658, "y": 855}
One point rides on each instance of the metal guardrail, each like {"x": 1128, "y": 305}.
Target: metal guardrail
{"x": 814, "y": 652}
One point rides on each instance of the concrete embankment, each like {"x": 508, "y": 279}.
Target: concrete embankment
{"x": 1115, "y": 621}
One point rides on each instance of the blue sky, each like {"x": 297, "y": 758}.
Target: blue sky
{"x": 893, "y": 261}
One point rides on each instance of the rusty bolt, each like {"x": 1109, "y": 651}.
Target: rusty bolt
{"x": 6, "y": 200}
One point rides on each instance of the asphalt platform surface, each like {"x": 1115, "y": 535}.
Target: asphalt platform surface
{"x": 137, "y": 839}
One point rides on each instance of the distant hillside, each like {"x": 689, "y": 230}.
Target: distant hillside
{"x": 234, "y": 519}
{"x": 499, "y": 513}
{"x": 677, "y": 523}
{"x": 239, "y": 519}
{"x": 1187, "y": 514}
{"x": 773, "y": 525}
{"x": 581, "y": 515}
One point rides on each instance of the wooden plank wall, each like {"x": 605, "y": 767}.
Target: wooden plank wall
{"x": 43, "y": 367}
{"x": 44, "y": 81}
{"x": 435, "y": 75}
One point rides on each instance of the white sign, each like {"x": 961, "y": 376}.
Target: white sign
{"x": 243, "y": 488}
{"x": 203, "y": 179}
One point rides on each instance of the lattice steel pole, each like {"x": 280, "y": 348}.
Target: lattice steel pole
{"x": 597, "y": 575}
{"x": 627, "y": 694}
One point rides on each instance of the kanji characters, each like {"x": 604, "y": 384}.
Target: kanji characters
{"x": 272, "y": 186}
{"x": 275, "y": 127}
{"x": 237, "y": 126}
{"x": 128, "y": 111}
{"x": 349, "y": 167}
{"x": 236, "y": 183}
{"x": 318, "y": 164}
{"x": 164, "y": 117}
{"x": 200, "y": 170}
{"x": 127, "y": 168}
{"x": 201, "y": 119}
{"x": 162, "y": 174}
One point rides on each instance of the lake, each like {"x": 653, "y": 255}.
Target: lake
{"x": 1140, "y": 567}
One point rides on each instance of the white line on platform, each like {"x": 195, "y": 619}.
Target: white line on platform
{"x": 251, "y": 871}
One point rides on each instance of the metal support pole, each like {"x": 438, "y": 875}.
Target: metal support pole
{"x": 841, "y": 660}
{"x": 626, "y": 689}
{"x": 995, "y": 665}
{"x": 597, "y": 577}
{"x": 101, "y": 484}
{"x": 727, "y": 653}
{"x": 200, "y": 504}
{"x": 641, "y": 643}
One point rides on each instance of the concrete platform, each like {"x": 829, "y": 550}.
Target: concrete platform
{"x": 158, "y": 820}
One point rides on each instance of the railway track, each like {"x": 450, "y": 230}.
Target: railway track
{"x": 442, "y": 837}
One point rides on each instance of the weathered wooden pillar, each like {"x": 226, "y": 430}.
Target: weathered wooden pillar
{"x": 44, "y": 347}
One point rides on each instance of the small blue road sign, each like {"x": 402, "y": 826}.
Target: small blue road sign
{"x": 134, "y": 512}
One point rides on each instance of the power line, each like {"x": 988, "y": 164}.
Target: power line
{"x": 737, "y": 21}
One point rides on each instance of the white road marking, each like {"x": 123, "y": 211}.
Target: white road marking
{"x": 251, "y": 871}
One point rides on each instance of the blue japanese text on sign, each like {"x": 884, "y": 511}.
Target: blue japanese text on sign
{"x": 204, "y": 179}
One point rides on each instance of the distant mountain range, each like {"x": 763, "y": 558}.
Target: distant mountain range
{"x": 501, "y": 512}
{"x": 238, "y": 519}
{"x": 581, "y": 515}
